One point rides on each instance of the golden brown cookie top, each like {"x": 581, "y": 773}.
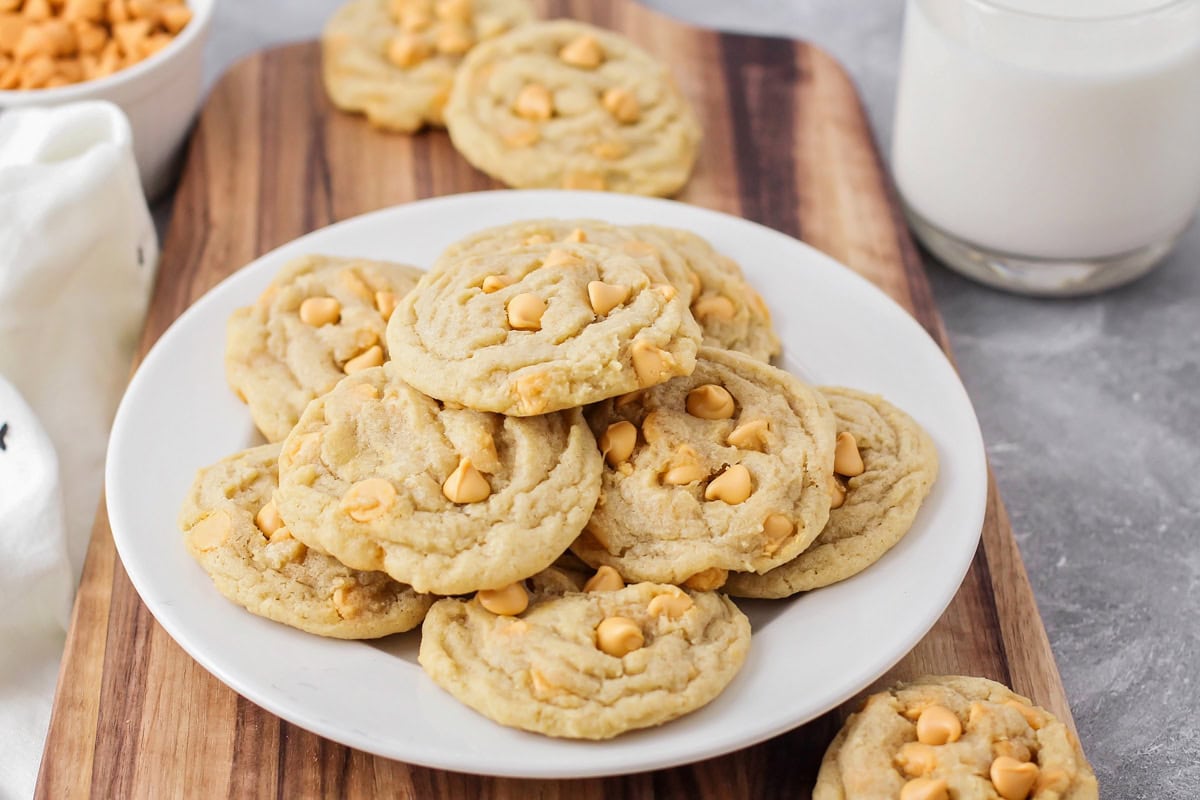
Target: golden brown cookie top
{"x": 585, "y": 664}
{"x": 233, "y": 529}
{"x": 445, "y": 499}
{"x": 942, "y": 737}
{"x": 884, "y": 467}
{"x": 726, "y": 469}
{"x": 562, "y": 104}
{"x": 395, "y": 60}
{"x": 320, "y": 319}
{"x": 543, "y": 326}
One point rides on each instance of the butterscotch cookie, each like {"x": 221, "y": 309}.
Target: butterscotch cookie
{"x": 727, "y": 469}
{"x": 943, "y": 737}
{"x": 562, "y": 104}
{"x": 885, "y": 466}
{"x": 394, "y": 60}
{"x": 730, "y": 313}
{"x": 445, "y": 499}
{"x": 231, "y": 527}
{"x": 585, "y": 665}
{"x": 320, "y": 319}
{"x": 544, "y": 326}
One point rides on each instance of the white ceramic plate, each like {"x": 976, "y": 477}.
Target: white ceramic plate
{"x": 808, "y": 654}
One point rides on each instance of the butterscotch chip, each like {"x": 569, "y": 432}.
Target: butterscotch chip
{"x": 586, "y": 665}
{"x": 494, "y": 283}
{"x": 466, "y": 484}
{"x": 617, "y": 442}
{"x": 869, "y": 513}
{"x": 714, "y": 306}
{"x": 623, "y": 105}
{"x": 318, "y": 311}
{"x": 604, "y": 297}
{"x": 684, "y": 467}
{"x": 672, "y": 604}
{"x": 371, "y": 357}
{"x": 709, "y": 401}
{"x": 212, "y": 531}
{"x": 583, "y": 52}
{"x": 709, "y": 505}
{"x": 508, "y": 600}
{"x": 279, "y": 360}
{"x": 619, "y": 636}
{"x": 751, "y": 435}
{"x": 606, "y": 579}
{"x": 525, "y": 312}
{"x": 395, "y": 63}
{"x": 277, "y": 577}
{"x": 1013, "y": 779}
{"x": 534, "y": 102}
{"x": 837, "y": 490}
{"x": 407, "y": 50}
{"x": 707, "y": 580}
{"x": 597, "y": 132}
{"x": 938, "y": 725}
{"x": 539, "y": 345}
{"x": 369, "y": 499}
{"x": 847, "y": 461}
{"x": 268, "y": 520}
{"x": 444, "y": 526}
{"x": 925, "y": 789}
{"x": 875, "y": 755}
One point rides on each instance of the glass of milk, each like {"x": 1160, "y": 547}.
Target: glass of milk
{"x": 1049, "y": 146}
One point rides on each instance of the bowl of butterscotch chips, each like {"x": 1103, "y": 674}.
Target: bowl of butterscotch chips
{"x": 143, "y": 55}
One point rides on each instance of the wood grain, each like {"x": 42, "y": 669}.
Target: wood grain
{"x": 786, "y": 144}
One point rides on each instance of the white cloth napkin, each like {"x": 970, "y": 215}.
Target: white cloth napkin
{"x": 77, "y": 259}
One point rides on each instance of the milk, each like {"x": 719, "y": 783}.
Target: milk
{"x": 1051, "y": 138}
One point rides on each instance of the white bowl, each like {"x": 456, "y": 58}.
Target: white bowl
{"x": 160, "y": 96}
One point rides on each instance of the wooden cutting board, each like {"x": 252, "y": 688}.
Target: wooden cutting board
{"x": 786, "y": 144}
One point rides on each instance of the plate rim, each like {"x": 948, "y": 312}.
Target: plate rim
{"x": 708, "y": 748}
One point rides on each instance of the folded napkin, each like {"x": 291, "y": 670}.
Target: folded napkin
{"x": 77, "y": 259}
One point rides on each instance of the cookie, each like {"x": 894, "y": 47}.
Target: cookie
{"x": 883, "y": 490}
{"x": 727, "y": 469}
{"x": 395, "y": 61}
{"x": 730, "y": 313}
{"x": 943, "y": 737}
{"x": 586, "y": 665}
{"x": 444, "y": 499}
{"x": 562, "y": 104}
{"x": 542, "y": 327}
{"x": 231, "y": 528}
{"x": 320, "y": 319}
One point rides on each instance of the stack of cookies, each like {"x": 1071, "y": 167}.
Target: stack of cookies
{"x": 556, "y": 104}
{"x": 570, "y": 432}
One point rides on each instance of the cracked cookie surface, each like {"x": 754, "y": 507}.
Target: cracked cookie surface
{"x": 900, "y": 466}
{"x": 319, "y": 317}
{"x": 545, "y": 670}
{"x": 542, "y": 327}
{"x": 395, "y": 60}
{"x": 561, "y": 104}
{"x": 229, "y": 528}
{"x": 730, "y": 313}
{"x": 954, "y": 737}
{"x": 726, "y": 469}
{"x": 446, "y": 500}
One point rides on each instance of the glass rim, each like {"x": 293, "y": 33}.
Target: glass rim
{"x": 1000, "y": 7}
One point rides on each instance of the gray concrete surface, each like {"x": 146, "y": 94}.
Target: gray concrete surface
{"x": 1091, "y": 411}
